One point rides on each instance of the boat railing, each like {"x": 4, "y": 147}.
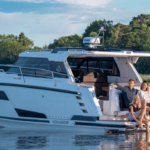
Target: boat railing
{"x": 36, "y": 72}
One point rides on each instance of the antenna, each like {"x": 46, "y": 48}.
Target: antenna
{"x": 100, "y": 30}
{"x": 93, "y": 42}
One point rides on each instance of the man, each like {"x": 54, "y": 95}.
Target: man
{"x": 128, "y": 91}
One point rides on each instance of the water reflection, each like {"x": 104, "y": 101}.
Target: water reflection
{"x": 72, "y": 141}
{"x": 141, "y": 143}
{"x": 31, "y": 142}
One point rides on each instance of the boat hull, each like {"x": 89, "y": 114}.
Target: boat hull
{"x": 55, "y": 125}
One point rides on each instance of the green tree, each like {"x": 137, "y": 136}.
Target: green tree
{"x": 93, "y": 34}
{"x": 96, "y": 25}
{"x": 11, "y": 46}
{"x": 67, "y": 41}
{"x": 25, "y": 41}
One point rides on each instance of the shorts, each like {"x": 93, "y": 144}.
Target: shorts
{"x": 130, "y": 117}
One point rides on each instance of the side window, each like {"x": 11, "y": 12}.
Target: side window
{"x": 105, "y": 65}
{"x": 59, "y": 69}
{"x": 41, "y": 63}
{"x": 108, "y": 67}
{"x": 31, "y": 63}
{"x": 73, "y": 62}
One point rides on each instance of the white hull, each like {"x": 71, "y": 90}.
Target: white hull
{"x": 70, "y": 127}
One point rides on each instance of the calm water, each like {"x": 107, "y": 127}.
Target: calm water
{"x": 43, "y": 140}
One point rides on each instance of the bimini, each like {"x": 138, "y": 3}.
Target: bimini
{"x": 67, "y": 89}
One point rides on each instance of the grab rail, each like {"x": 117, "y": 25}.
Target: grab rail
{"x": 36, "y": 75}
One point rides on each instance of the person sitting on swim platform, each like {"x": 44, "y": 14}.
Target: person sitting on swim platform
{"x": 137, "y": 113}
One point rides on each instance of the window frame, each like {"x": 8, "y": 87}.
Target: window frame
{"x": 98, "y": 59}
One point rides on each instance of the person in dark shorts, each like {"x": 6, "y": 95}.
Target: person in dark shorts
{"x": 138, "y": 114}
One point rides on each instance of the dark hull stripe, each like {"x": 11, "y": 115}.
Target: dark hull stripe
{"x": 105, "y": 125}
{"x": 41, "y": 88}
{"x": 84, "y": 118}
{"x": 29, "y": 120}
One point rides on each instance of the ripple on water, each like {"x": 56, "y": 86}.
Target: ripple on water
{"x": 45, "y": 140}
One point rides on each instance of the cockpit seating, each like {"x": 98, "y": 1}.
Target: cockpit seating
{"x": 122, "y": 103}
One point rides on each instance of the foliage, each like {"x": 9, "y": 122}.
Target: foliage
{"x": 67, "y": 41}
{"x": 93, "y": 34}
{"x": 11, "y": 46}
{"x": 145, "y": 78}
{"x": 96, "y": 25}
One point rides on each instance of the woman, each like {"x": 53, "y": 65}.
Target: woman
{"x": 144, "y": 95}
{"x": 136, "y": 113}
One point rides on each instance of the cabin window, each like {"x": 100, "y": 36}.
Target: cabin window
{"x": 73, "y": 62}
{"x": 101, "y": 64}
{"x": 59, "y": 69}
{"x": 43, "y": 67}
{"x": 30, "y": 62}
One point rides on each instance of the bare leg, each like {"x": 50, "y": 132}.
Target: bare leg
{"x": 144, "y": 109}
{"x": 146, "y": 125}
{"x": 140, "y": 115}
{"x": 147, "y": 136}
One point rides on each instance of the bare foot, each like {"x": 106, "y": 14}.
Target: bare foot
{"x": 141, "y": 126}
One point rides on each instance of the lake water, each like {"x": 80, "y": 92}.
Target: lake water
{"x": 45, "y": 140}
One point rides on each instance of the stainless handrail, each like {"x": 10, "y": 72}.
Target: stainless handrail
{"x": 22, "y": 74}
{"x": 52, "y": 72}
{"x": 34, "y": 69}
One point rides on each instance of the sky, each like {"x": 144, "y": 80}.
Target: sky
{"x": 45, "y": 20}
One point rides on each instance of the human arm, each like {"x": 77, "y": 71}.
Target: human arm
{"x": 113, "y": 85}
{"x": 133, "y": 116}
{"x": 117, "y": 87}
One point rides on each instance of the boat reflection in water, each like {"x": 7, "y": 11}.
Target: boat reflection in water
{"x": 47, "y": 140}
{"x": 30, "y": 142}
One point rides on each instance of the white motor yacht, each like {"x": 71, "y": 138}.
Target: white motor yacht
{"x": 68, "y": 89}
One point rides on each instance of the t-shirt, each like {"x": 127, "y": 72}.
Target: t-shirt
{"x": 144, "y": 95}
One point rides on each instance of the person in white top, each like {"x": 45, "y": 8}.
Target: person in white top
{"x": 144, "y": 95}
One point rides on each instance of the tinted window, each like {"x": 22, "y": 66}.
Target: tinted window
{"x": 59, "y": 69}
{"x": 74, "y": 62}
{"x": 101, "y": 66}
{"x": 3, "y": 96}
{"x": 41, "y": 63}
{"x": 105, "y": 65}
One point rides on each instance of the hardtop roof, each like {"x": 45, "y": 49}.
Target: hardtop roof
{"x": 60, "y": 54}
